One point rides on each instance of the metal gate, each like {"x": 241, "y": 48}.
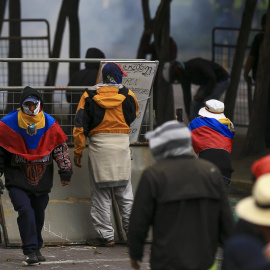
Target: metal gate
{"x": 224, "y": 42}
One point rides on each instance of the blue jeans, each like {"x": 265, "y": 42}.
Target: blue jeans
{"x": 217, "y": 92}
{"x": 31, "y": 215}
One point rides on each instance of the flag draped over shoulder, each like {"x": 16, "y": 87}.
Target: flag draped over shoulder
{"x": 31, "y": 137}
{"x": 211, "y": 133}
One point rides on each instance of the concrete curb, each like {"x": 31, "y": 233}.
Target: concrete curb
{"x": 240, "y": 187}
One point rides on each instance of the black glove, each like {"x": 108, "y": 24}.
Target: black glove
{"x": 2, "y": 187}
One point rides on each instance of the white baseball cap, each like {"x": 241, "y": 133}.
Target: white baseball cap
{"x": 213, "y": 109}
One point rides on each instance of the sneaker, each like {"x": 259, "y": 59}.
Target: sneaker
{"x": 40, "y": 257}
{"x": 30, "y": 259}
{"x": 98, "y": 242}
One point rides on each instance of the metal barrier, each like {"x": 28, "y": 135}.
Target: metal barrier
{"x": 31, "y": 46}
{"x": 59, "y": 108}
{"x": 224, "y": 40}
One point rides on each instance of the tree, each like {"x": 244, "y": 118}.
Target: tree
{"x": 74, "y": 35}
{"x": 15, "y": 51}
{"x": 239, "y": 56}
{"x": 69, "y": 9}
{"x": 255, "y": 138}
{"x": 160, "y": 27}
{"x": 2, "y": 12}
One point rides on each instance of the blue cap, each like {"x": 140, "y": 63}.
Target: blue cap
{"x": 112, "y": 73}
{"x": 31, "y": 98}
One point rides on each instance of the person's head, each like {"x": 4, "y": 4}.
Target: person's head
{"x": 263, "y": 21}
{"x": 174, "y": 72}
{"x": 93, "y": 53}
{"x": 31, "y": 101}
{"x": 256, "y": 208}
{"x": 213, "y": 109}
{"x": 260, "y": 167}
{"x": 112, "y": 73}
{"x": 170, "y": 139}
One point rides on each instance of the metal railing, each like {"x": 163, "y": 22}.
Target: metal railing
{"x": 224, "y": 40}
{"x": 59, "y": 108}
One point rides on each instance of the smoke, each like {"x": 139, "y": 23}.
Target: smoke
{"x": 116, "y": 26}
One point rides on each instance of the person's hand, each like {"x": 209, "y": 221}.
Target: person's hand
{"x": 77, "y": 162}
{"x": 135, "y": 264}
{"x": 266, "y": 252}
{"x": 64, "y": 183}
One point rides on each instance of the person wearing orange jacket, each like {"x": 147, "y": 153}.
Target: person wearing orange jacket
{"x": 104, "y": 115}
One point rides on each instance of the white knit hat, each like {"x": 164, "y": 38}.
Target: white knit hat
{"x": 170, "y": 139}
{"x": 213, "y": 109}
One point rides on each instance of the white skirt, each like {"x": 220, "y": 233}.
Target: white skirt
{"x": 110, "y": 157}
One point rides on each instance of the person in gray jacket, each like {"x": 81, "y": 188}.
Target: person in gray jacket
{"x": 184, "y": 199}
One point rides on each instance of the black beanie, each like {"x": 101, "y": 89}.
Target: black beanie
{"x": 28, "y": 91}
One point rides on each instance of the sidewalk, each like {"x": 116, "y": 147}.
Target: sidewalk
{"x": 75, "y": 257}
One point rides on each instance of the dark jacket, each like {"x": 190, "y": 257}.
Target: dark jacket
{"x": 22, "y": 166}
{"x": 35, "y": 177}
{"x": 185, "y": 200}
{"x": 201, "y": 72}
{"x": 85, "y": 77}
{"x": 221, "y": 158}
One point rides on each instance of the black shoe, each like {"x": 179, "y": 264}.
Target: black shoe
{"x": 30, "y": 259}
{"x": 98, "y": 242}
{"x": 40, "y": 257}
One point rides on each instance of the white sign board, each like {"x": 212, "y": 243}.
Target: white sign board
{"x": 141, "y": 75}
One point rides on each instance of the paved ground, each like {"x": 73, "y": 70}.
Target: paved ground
{"x": 74, "y": 257}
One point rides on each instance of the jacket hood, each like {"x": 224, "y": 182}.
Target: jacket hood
{"x": 93, "y": 53}
{"x": 28, "y": 91}
{"x": 108, "y": 97}
{"x": 109, "y": 102}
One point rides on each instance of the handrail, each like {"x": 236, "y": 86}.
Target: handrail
{"x": 89, "y": 60}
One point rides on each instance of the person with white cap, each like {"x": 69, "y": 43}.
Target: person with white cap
{"x": 212, "y": 137}
{"x": 30, "y": 140}
{"x": 256, "y": 210}
{"x": 184, "y": 200}
{"x": 104, "y": 115}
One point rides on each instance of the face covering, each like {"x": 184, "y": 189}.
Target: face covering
{"x": 27, "y": 111}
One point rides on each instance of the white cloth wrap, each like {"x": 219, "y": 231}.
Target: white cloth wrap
{"x": 109, "y": 155}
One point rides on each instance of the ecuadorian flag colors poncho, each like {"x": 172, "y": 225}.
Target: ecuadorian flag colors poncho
{"x": 211, "y": 133}
{"x": 31, "y": 137}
